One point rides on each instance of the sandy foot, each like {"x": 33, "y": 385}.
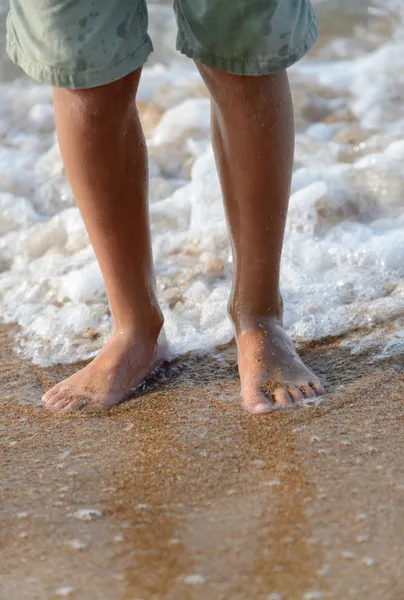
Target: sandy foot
{"x": 271, "y": 372}
{"x": 122, "y": 364}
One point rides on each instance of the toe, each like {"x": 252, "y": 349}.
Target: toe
{"x": 255, "y": 402}
{"x": 308, "y": 392}
{"x": 56, "y": 400}
{"x": 73, "y": 404}
{"x": 295, "y": 393}
{"x": 262, "y": 407}
{"x": 318, "y": 388}
{"x": 50, "y": 393}
{"x": 61, "y": 404}
{"x": 282, "y": 397}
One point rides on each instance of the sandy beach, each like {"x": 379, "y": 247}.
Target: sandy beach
{"x": 179, "y": 495}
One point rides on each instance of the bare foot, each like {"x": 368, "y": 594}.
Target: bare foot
{"x": 122, "y": 364}
{"x": 271, "y": 372}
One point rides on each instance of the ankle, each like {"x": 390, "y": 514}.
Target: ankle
{"x": 244, "y": 320}
{"x": 148, "y": 324}
{"x": 249, "y": 315}
{"x": 245, "y": 323}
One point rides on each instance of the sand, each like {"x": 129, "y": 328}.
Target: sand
{"x": 191, "y": 498}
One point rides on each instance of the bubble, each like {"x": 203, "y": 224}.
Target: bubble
{"x": 64, "y": 591}
{"x": 344, "y": 233}
{"x": 194, "y": 579}
{"x": 87, "y": 514}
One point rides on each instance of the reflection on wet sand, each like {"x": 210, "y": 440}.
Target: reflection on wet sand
{"x": 216, "y": 506}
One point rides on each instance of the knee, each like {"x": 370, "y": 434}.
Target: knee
{"x": 100, "y": 106}
{"x": 228, "y": 90}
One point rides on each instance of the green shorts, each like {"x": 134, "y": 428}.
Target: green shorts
{"x": 86, "y": 43}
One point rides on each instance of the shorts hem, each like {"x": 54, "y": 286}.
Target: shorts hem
{"x": 70, "y": 79}
{"x": 251, "y": 66}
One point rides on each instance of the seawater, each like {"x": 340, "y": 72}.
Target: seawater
{"x": 343, "y": 260}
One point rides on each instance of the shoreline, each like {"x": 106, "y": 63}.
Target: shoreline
{"x": 198, "y": 500}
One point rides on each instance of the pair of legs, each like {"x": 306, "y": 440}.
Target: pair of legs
{"x": 104, "y": 153}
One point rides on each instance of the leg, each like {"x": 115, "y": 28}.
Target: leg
{"x": 104, "y": 153}
{"x": 253, "y": 138}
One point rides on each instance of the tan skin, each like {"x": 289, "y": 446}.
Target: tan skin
{"x": 104, "y": 153}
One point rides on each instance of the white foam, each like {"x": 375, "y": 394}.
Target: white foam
{"x": 87, "y": 514}
{"x": 16, "y": 213}
{"x": 77, "y": 544}
{"x": 64, "y": 591}
{"x": 344, "y": 245}
{"x": 189, "y": 118}
{"x": 194, "y": 579}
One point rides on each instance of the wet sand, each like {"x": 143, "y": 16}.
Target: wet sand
{"x": 199, "y": 501}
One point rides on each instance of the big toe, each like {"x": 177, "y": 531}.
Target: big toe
{"x": 255, "y": 401}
